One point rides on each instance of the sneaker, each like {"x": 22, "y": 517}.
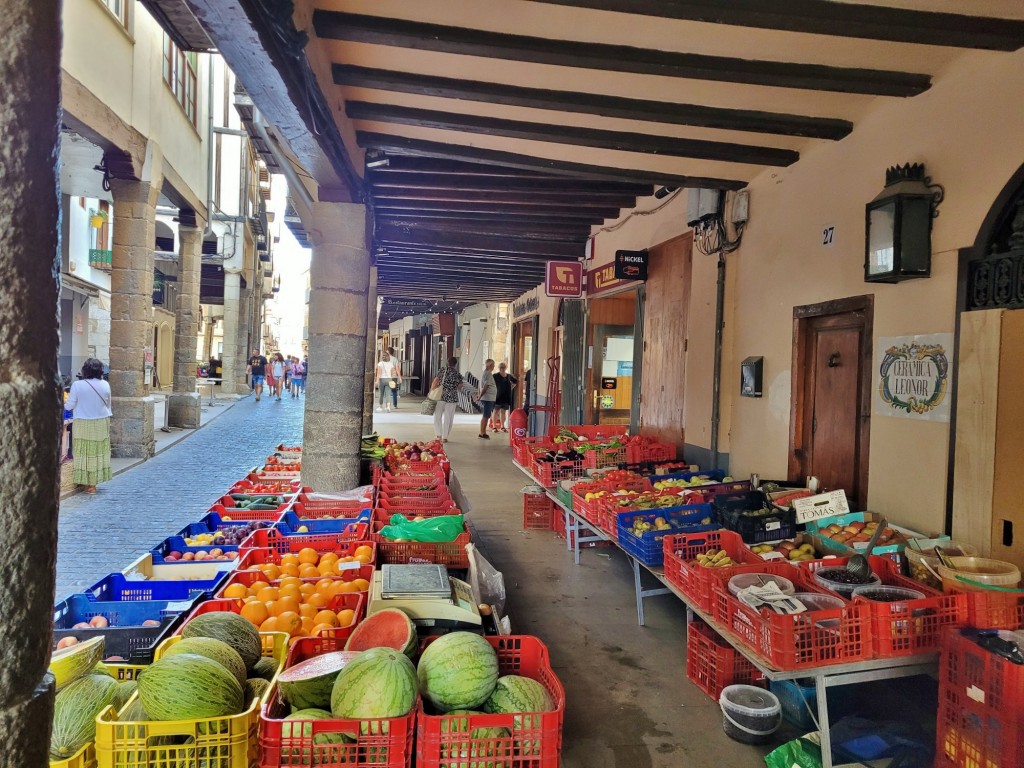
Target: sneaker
{"x": 484, "y": 437}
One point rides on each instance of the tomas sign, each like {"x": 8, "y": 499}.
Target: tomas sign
{"x": 563, "y": 279}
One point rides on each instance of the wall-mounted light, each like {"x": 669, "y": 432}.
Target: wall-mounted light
{"x": 899, "y": 226}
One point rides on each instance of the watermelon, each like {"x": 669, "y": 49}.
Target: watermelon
{"x": 378, "y": 683}
{"x": 298, "y": 728}
{"x": 309, "y": 683}
{"x": 517, "y": 694}
{"x": 455, "y": 748}
{"x": 266, "y": 668}
{"x": 189, "y": 687}
{"x": 69, "y": 664}
{"x": 390, "y": 628}
{"x": 458, "y": 671}
{"x": 232, "y": 629}
{"x": 74, "y": 713}
{"x": 214, "y": 649}
{"x": 255, "y": 688}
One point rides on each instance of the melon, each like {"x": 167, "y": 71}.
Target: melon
{"x": 211, "y": 648}
{"x": 458, "y": 671}
{"x": 69, "y": 664}
{"x": 74, "y": 713}
{"x": 517, "y": 694}
{"x": 230, "y": 628}
{"x": 133, "y": 713}
{"x": 378, "y": 683}
{"x": 309, "y": 683}
{"x": 390, "y": 628}
{"x": 189, "y": 687}
{"x": 265, "y": 668}
{"x": 255, "y": 688}
{"x": 123, "y": 692}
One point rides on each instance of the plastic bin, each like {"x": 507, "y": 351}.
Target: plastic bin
{"x": 985, "y": 570}
{"x": 214, "y": 742}
{"x": 746, "y": 515}
{"x": 116, "y": 587}
{"x": 537, "y": 511}
{"x": 250, "y": 577}
{"x": 712, "y": 664}
{"x": 177, "y": 544}
{"x": 750, "y": 715}
{"x": 799, "y": 701}
{"x": 354, "y": 601}
{"x": 451, "y": 554}
{"x": 645, "y": 453}
{"x": 988, "y": 609}
{"x": 125, "y": 637}
{"x": 291, "y": 522}
{"x": 695, "y": 581}
{"x": 199, "y": 573}
{"x": 338, "y": 543}
{"x": 536, "y": 738}
{"x": 648, "y": 547}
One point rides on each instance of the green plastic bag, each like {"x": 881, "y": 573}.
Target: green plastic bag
{"x": 439, "y": 529}
{"x": 798, "y": 753}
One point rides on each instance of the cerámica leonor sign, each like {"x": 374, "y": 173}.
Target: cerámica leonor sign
{"x": 913, "y": 376}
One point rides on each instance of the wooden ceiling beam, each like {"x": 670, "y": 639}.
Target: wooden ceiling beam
{"x": 464, "y": 296}
{"x": 548, "y": 185}
{"x": 583, "y": 199}
{"x": 574, "y": 220}
{"x": 503, "y": 229}
{"x": 438, "y": 149}
{"x": 574, "y": 135}
{"x": 503, "y": 267}
{"x": 697, "y": 115}
{"x": 402, "y": 33}
{"x": 387, "y": 234}
{"x": 452, "y": 281}
{"x": 595, "y": 212}
{"x": 513, "y": 258}
{"x": 824, "y": 17}
{"x": 470, "y": 168}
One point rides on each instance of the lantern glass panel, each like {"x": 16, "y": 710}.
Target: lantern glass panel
{"x": 915, "y": 230}
{"x": 881, "y": 238}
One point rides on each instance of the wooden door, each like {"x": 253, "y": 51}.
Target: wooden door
{"x": 831, "y": 396}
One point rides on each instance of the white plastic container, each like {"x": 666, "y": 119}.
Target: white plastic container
{"x": 741, "y": 581}
{"x": 750, "y": 715}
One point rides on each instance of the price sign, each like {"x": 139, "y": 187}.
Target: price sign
{"x": 822, "y": 505}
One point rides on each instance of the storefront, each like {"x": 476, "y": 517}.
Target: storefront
{"x": 525, "y": 347}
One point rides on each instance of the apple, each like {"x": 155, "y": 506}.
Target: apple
{"x": 188, "y": 556}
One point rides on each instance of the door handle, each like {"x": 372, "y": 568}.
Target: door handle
{"x": 833, "y": 360}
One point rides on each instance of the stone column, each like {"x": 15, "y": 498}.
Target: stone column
{"x": 234, "y": 359}
{"x": 369, "y": 392}
{"x": 184, "y": 408}
{"x": 131, "y": 309}
{"x": 30, "y": 407}
{"x": 208, "y": 340}
{"x": 335, "y": 392}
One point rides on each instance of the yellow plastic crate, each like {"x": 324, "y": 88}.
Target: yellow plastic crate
{"x": 83, "y": 758}
{"x": 213, "y": 742}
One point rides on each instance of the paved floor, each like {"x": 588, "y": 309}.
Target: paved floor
{"x": 155, "y": 499}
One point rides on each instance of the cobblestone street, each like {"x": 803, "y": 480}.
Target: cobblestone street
{"x": 139, "y": 508}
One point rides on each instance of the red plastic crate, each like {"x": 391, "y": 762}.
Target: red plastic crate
{"x": 407, "y": 505}
{"x": 799, "y": 641}
{"x": 441, "y": 467}
{"x": 356, "y": 601}
{"x": 549, "y": 474}
{"x": 558, "y": 526}
{"x": 392, "y": 495}
{"x": 248, "y": 578}
{"x": 451, "y": 554}
{"x": 536, "y": 738}
{"x": 712, "y": 664}
{"x": 905, "y": 627}
{"x": 695, "y": 581}
{"x": 269, "y": 539}
{"x": 981, "y": 707}
{"x": 601, "y": 458}
{"x": 402, "y": 484}
{"x": 523, "y": 448}
{"x": 304, "y": 512}
{"x": 537, "y": 512}
{"x": 253, "y": 483}
{"x": 989, "y": 609}
{"x": 589, "y": 431}
{"x": 239, "y": 515}
{"x": 647, "y": 453}
{"x": 380, "y": 742}
{"x": 313, "y": 508}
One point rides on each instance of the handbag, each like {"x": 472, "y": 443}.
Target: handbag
{"x": 393, "y": 384}
{"x": 435, "y": 393}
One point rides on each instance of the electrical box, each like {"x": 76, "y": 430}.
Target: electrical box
{"x": 701, "y": 204}
{"x": 751, "y": 375}
{"x": 740, "y": 207}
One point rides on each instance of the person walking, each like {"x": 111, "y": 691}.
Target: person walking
{"x": 450, "y": 381}
{"x": 278, "y": 368}
{"x": 388, "y": 377}
{"x": 398, "y": 369}
{"x": 90, "y": 400}
{"x": 298, "y": 373}
{"x": 503, "y": 382}
{"x": 486, "y": 397}
{"x": 258, "y": 372}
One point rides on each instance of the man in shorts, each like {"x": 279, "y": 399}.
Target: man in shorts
{"x": 258, "y": 371}
{"x": 486, "y": 397}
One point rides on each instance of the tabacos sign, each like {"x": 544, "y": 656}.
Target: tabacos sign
{"x": 563, "y": 279}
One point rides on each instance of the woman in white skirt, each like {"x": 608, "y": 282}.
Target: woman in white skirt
{"x": 90, "y": 400}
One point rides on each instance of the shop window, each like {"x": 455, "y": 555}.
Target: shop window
{"x": 179, "y": 70}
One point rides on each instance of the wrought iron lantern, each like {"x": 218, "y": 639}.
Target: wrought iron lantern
{"x": 899, "y": 226}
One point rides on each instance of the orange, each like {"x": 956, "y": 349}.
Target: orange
{"x": 289, "y": 603}
{"x": 346, "y": 559}
{"x": 324, "y": 585}
{"x": 318, "y": 628}
{"x": 307, "y": 625}
{"x": 330, "y": 557}
{"x": 308, "y": 555}
{"x": 307, "y": 610}
{"x": 326, "y": 567}
{"x": 256, "y": 612}
{"x": 346, "y": 617}
{"x": 236, "y": 590}
{"x": 289, "y": 559}
{"x": 363, "y": 550}
{"x": 289, "y": 622}
{"x": 271, "y": 571}
{"x": 248, "y": 599}
{"x": 294, "y": 581}
{"x": 348, "y": 587}
{"x": 268, "y": 594}
{"x": 290, "y": 570}
{"x": 291, "y": 591}
{"x": 318, "y": 600}
{"x": 362, "y": 585}
{"x": 270, "y": 625}
{"x": 306, "y": 589}
{"x": 330, "y": 618}
{"x": 308, "y": 571}
{"x": 364, "y": 557}
{"x": 256, "y": 586}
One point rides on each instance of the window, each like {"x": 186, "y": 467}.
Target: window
{"x": 119, "y": 8}
{"x": 180, "y": 75}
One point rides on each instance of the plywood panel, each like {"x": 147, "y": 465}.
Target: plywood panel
{"x": 614, "y": 310}
{"x": 663, "y": 387}
{"x": 977, "y": 405}
{"x": 1008, "y": 480}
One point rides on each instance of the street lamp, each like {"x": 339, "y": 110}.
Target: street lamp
{"x": 899, "y": 226}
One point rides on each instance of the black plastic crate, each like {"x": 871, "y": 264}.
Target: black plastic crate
{"x": 753, "y": 517}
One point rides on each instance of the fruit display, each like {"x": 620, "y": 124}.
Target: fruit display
{"x": 458, "y": 671}
{"x": 213, "y": 649}
{"x": 713, "y": 558}
{"x": 378, "y": 683}
{"x": 75, "y": 659}
{"x": 266, "y": 502}
{"x": 693, "y": 482}
{"x": 230, "y": 628}
{"x": 74, "y": 713}
{"x": 631, "y": 501}
{"x": 188, "y": 687}
{"x": 309, "y": 683}
{"x": 857, "y": 532}
{"x": 231, "y": 535}
{"x": 397, "y": 453}
{"x": 390, "y": 628}
{"x": 789, "y": 549}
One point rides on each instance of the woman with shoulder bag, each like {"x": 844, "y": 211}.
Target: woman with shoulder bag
{"x": 90, "y": 400}
{"x": 450, "y": 381}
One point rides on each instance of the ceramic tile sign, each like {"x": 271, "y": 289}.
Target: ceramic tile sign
{"x": 912, "y": 378}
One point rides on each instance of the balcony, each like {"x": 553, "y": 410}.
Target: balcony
{"x": 180, "y": 24}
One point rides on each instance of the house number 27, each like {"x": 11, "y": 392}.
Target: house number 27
{"x": 828, "y": 235}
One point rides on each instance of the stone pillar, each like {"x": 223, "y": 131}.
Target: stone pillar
{"x": 208, "y": 340}
{"x": 234, "y": 359}
{"x": 184, "y": 408}
{"x": 369, "y": 392}
{"x": 30, "y": 407}
{"x": 131, "y": 308}
{"x": 335, "y": 392}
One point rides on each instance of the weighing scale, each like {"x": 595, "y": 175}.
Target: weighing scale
{"x": 427, "y": 594}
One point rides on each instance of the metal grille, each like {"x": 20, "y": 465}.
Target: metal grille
{"x": 574, "y": 339}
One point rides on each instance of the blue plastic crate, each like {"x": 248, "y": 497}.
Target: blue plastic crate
{"x": 711, "y": 474}
{"x": 177, "y": 544}
{"x": 212, "y": 522}
{"x": 799, "y": 700}
{"x": 290, "y": 523}
{"x": 125, "y": 637}
{"x": 115, "y": 587}
{"x": 648, "y": 547}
